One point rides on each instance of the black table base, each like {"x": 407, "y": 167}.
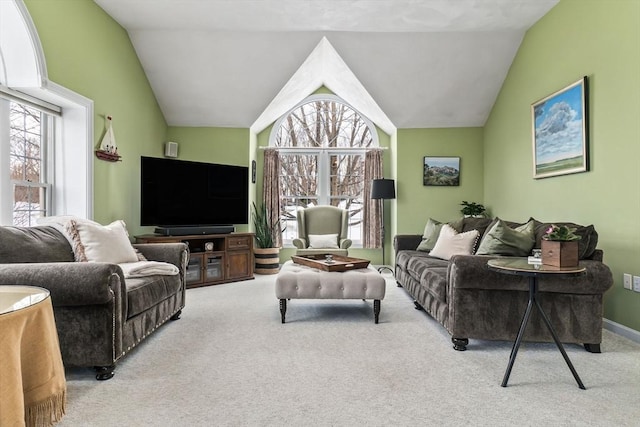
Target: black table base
{"x": 533, "y": 301}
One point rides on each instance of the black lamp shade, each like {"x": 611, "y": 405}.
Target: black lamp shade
{"x": 383, "y": 189}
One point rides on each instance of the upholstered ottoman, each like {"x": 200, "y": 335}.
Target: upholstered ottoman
{"x": 295, "y": 281}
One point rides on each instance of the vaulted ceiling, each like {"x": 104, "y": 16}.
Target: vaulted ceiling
{"x": 407, "y": 63}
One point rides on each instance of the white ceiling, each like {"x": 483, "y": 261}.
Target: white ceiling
{"x": 422, "y": 63}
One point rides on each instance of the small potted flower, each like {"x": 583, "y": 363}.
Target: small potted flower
{"x": 560, "y": 246}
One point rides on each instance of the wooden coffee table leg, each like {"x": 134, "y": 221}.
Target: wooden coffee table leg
{"x": 283, "y": 309}
{"x": 376, "y": 309}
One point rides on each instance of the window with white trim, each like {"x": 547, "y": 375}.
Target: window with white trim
{"x": 30, "y": 137}
{"x": 322, "y": 144}
{"x": 67, "y": 188}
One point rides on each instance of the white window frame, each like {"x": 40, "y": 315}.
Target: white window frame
{"x": 47, "y": 165}
{"x": 324, "y": 153}
{"x": 22, "y": 64}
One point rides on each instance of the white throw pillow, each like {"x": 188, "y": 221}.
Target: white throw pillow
{"x": 450, "y": 243}
{"x": 101, "y": 243}
{"x": 60, "y": 222}
{"x": 323, "y": 241}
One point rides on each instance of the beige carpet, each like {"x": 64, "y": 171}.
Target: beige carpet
{"x": 230, "y": 362}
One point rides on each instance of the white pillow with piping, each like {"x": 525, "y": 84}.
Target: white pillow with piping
{"x": 323, "y": 241}
{"x": 451, "y": 243}
{"x": 59, "y": 222}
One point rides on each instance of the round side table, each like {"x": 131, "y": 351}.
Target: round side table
{"x": 16, "y": 297}
{"x": 520, "y": 267}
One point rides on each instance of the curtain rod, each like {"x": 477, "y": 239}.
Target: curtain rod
{"x": 23, "y": 98}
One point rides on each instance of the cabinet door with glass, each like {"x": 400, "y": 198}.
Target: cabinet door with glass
{"x": 214, "y": 268}
{"x": 194, "y": 269}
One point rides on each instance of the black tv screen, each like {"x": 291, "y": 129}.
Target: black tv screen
{"x": 184, "y": 193}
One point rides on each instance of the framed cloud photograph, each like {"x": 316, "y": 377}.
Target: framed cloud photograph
{"x": 560, "y": 140}
{"x": 441, "y": 171}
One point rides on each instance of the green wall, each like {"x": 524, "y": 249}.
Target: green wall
{"x": 417, "y": 203}
{"x": 89, "y": 53}
{"x": 599, "y": 39}
{"x": 229, "y": 146}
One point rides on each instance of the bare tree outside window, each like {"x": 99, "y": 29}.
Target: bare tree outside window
{"x": 322, "y": 162}
{"x": 26, "y": 135}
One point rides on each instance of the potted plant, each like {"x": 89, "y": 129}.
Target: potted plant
{"x": 266, "y": 254}
{"x": 472, "y": 209}
{"x": 560, "y": 246}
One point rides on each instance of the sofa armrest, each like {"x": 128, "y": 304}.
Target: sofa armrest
{"x": 598, "y": 255}
{"x": 345, "y": 243}
{"x": 70, "y": 283}
{"x": 409, "y": 242}
{"x": 172, "y": 253}
{"x": 300, "y": 243}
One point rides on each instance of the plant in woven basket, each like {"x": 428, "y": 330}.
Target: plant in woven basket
{"x": 265, "y": 229}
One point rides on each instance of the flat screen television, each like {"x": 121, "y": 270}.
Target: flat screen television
{"x": 179, "y": 194}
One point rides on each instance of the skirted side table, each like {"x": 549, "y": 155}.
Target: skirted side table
{"x": 32, "y": 382}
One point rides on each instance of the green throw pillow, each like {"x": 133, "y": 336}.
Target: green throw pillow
{"x": 504, "y": 240}
{"x": 430, "y": 235}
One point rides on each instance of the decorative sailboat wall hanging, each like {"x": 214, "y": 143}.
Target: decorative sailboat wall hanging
{"x": 108, "y": 149}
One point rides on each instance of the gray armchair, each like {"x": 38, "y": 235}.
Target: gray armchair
{"x": 322, "y": 221}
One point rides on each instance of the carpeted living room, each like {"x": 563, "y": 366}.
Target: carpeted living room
{"x": 229, "y": 361}
{"x": 147, "y": 146}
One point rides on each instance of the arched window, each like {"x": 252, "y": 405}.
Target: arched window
{"x": 322, "y": 144}
{"x": 46, "y": 130}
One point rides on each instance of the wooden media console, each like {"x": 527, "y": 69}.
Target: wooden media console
{"x": 214, "y": 258}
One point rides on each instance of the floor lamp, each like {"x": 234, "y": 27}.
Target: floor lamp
{"x": 383, "y": 189}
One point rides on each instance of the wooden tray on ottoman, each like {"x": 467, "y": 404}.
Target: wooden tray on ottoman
{"x": 340, "y": 263}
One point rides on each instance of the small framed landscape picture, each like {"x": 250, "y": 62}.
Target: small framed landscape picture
{"x": 441, "y": 171}
{"x": 560, "y": 142}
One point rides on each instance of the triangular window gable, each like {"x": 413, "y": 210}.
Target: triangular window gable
{"x": 324, "y": 67}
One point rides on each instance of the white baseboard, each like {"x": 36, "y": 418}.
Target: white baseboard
{"x": 619, "y": 329}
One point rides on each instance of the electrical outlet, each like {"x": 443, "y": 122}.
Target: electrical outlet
{"x": 627, "y": 281}
{"x": 636, "y": 283}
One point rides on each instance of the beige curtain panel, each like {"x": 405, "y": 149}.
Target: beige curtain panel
{"x": 271, "y": 188}
{"x": 372, "y": 209}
